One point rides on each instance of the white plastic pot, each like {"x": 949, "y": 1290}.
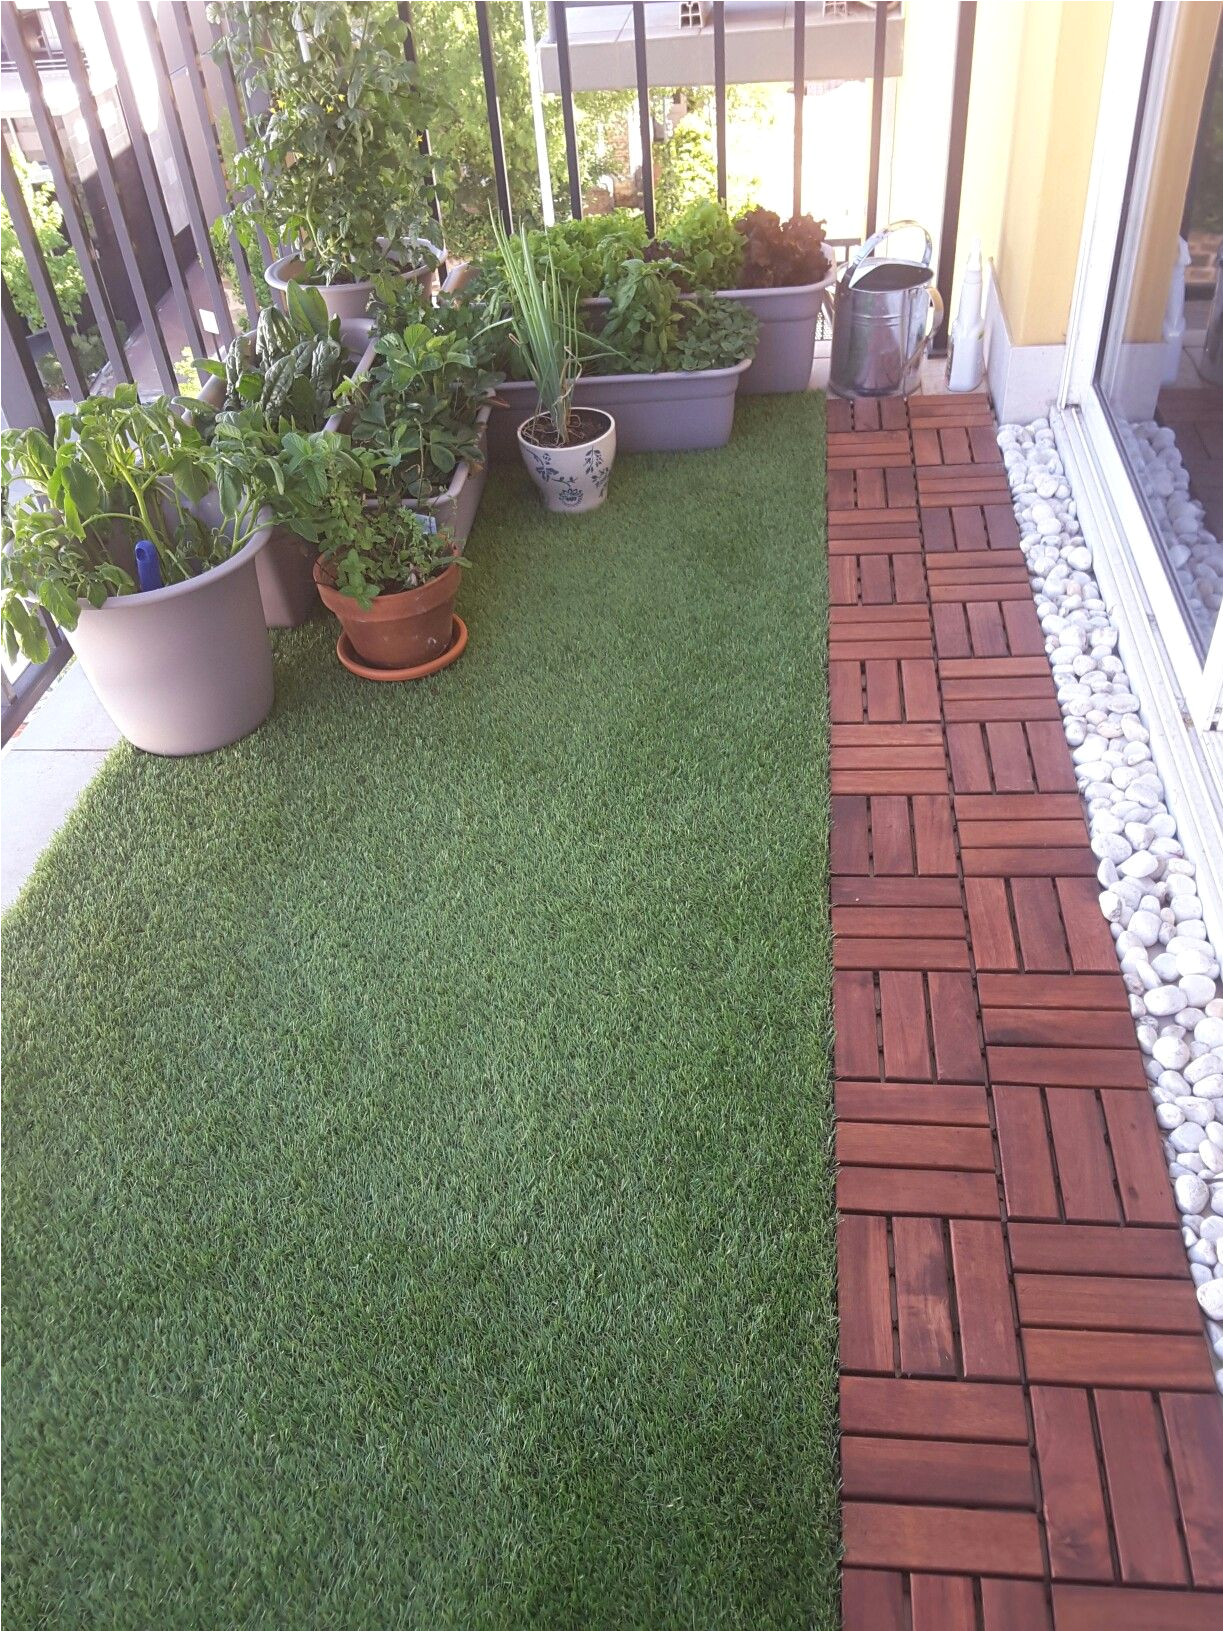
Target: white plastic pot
{"x": 575, "y": 478}
{"x": 348, "y": 301}
{"x": 185, "y": 669}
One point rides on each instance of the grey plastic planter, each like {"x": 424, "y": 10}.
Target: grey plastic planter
{"x": 350, "y": 301}
{"x": 654, "y": 413}
{"x": 457, "y": 507}
{"x": 788, "y": 319}
{"x": 185, "y": 669}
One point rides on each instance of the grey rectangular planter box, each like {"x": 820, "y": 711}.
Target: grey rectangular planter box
{"x": 654, "y": 413}
{"x": 788, "y": 319}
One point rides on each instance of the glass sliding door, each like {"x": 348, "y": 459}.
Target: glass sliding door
{"x": 1158, "y": 368}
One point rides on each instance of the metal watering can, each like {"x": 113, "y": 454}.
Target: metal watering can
{"x": 884, "y": 314}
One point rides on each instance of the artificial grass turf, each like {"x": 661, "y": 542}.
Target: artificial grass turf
{"x": 417, "y": 1121}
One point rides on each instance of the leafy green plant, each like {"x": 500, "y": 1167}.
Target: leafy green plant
{"x": 289, "y": 368}
{"x": 544, "y": 330}
{"x": 248, "y": 242}
{"x": 585, "y": 253}
{"x": 368, "y": 550}
{"x": 686, "y": 172}
{"x": 654, "y": 326}
{"x": 716, "y": 333}
{"x": 334, "y": 164}
{"x": 704, "y": 240}
{"x": 777, "y": 255}
{"x": 63, "y": 268}
{"x": 117, "y": 470}
{"x": 419, "y": 403}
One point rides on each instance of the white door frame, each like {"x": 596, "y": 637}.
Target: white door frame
{"x": 1126, "y": 531}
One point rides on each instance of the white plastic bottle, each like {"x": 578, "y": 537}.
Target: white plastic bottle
{"x": 967, "y": 334}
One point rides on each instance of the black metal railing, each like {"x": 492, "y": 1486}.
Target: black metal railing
{"x": 119, "y": 220}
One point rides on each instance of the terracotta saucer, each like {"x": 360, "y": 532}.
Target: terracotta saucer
{"x": 420, "y": 671}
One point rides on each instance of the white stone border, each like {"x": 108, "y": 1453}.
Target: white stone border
{"x": 1148, "y": 893}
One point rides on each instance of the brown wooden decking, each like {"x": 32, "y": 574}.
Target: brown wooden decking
{"x": 1031, "y": 1432}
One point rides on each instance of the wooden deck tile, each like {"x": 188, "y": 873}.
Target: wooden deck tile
{"x": 1134, "y": 1609}
{"x": 1031, "y": 1429}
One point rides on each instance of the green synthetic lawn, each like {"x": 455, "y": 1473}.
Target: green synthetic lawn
{"x": 417, "y": 1119}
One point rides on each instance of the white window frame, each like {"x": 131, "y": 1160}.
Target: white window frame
{"x": 1127, "y": 550}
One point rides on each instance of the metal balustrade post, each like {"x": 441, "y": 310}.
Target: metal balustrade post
{"x": 147, "y": 167}
{"x": 798, "y": 82}
{"x": 720, "y": 94}
{"x": 25, "y": 396}
{"x": 40, "y": 277}
{"x": 193, "y": 73}
{"x": 962, "y": 75}
{"x": 488, "y": 70}
{"x": 877, "y": 114}
{"x": 186, "y": 174}
{"x": 561, "y": 25}
{"x": 645, "y": 123}
{"x": 124, "y": 231}
{"x": 404, "y": 12}
{"x": 65, "y": 192}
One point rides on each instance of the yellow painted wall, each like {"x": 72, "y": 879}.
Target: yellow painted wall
{"x": 1037, "y": 71}
{"x": 1189, "y": 64}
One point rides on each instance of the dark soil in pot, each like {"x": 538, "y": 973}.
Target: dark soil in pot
{"x": 586, "y": 425}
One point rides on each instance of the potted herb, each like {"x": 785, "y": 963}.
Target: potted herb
{"x": 421, "y": 398}
{"x": 387, "y": 573}
{"x": 286, "y": 373}
{"x": 568, "y": 451}
{"x": 160, "y": 603}
{"x": 334, "y": 166}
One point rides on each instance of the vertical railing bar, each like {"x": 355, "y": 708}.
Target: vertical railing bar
{"x": 962, "y": 75}
{"x": 30, "y": 686}
{"x": 53, "y": 157}
{"x": 404, "y": 11}
{"x": 561, "y": 25}
{"x": 40, "y": 277}
{"x": 194, "y": 72}
{"x": 798, "y": 81}
{"x": 877, "y": 114}
{"x": 645, "y": 125}
{"x": 239, "y": 112}
{"x": 147, "y": 167}
{"x": 187, "y": 179}
{"x": 87, "y": 106}
{"x": 720, "y": 95}
{"x": 27, "y": 404}
{"x": 489, "y": 71}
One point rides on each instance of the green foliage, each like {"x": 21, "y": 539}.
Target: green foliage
{"x": 703, "y": 238}
{"x": 63, "y": 268}
{"x": 248, "y": 241}
{"x": 653, "y": 326}
{"x": 419, "y": 403}
{"x": 687, "y": 172}
{"x": 585, "y": 253}
{"x": 333, "y": 165}
{"x": 117, "y": 470}
{"x": 289, "y": 368}
{"x": 545, "y": 334}
{"x": 716, "y": 333}
{"x": 777, "y": 255}
{"x": 369, "y": 549}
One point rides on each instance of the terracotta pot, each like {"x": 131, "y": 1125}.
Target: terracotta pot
{"x": 401, "y": 630}
{"x": 573, "y": 478}
{"x": 347, "y": 301}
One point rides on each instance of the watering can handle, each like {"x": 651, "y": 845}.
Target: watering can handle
{"x": 937, "y": 312}
{"x": 895, "y": 226}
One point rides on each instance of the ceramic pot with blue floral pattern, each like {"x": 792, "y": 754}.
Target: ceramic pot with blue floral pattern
{"x": 573, "y": 477}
